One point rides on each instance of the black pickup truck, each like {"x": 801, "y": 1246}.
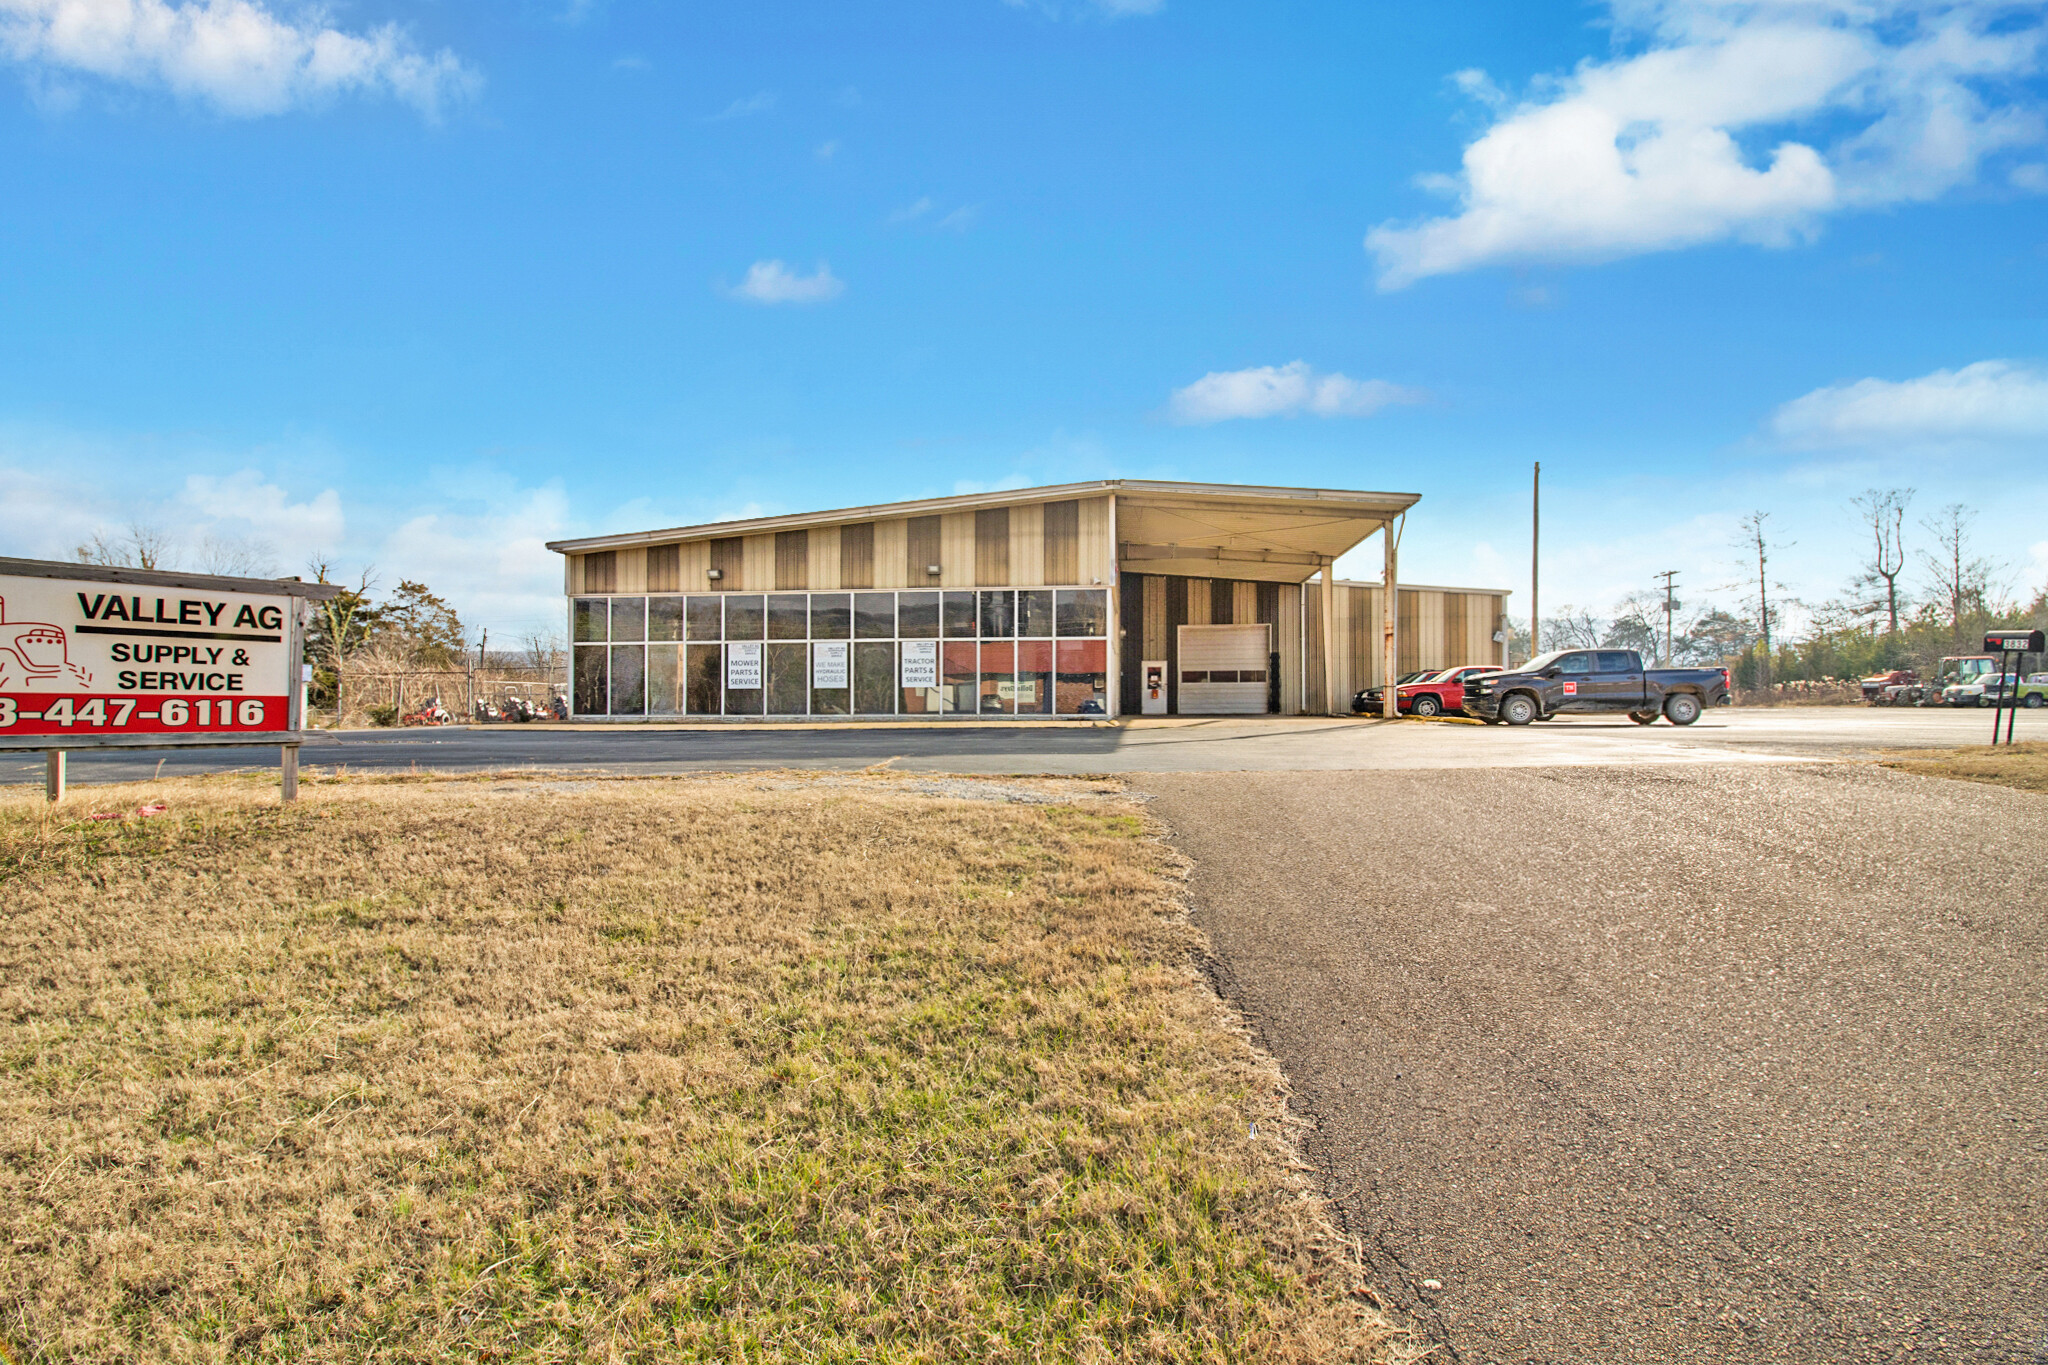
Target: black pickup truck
{"x": 1573, "y": 680}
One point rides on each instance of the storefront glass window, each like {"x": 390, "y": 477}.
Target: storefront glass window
{"x": 629, "y": 679}
{"x": 918, "y": 670}
{"x": 1034, "y": 612}
{"x": 590, "y": 620}
{"x": 998, "y": 678}
{"x": 1082, "y": 683}
{"x": 998, "y": 615}
{"x": 1034, "y": 676}
{"x": 874, "y": 615}
{"x": 961, "y": 677}
{"x": 665, "y": 618}
{"x": 831, "y": 616}
{"x": 743, "y": 618}
{"x": 789, "y": 679}
{"x": 705, "y": 679}
{"x": 788, "y": 616}
{"x": 960, "y": 616}
{"x": 917, "y": 615}
{"x": 874, "y": 678}
{"x": 664, "y": 679}
{"x": 629, "y": 619}
{"x": 590, "y": 681}
{"x": 707, "y": 618}
{"x": 1084, "y": 611}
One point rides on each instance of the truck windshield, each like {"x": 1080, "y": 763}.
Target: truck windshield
{"x": 1543, "y": 661}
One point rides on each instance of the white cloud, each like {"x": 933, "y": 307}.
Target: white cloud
{"x": 1688, "y": 141}
{"x": 494, "y": 563}
{"x": 775, "y": 282}
{"x": 1283, "y": 391}
{"x": 960, "y": 219}
{"x": 912, "y": 211}
{"x": 759, "y": 103}
{"x": 828, "y": 149}
{"x": 245, "y": 504}
{"x": 1990, "y": 400}
{"x": 236, "y": 55}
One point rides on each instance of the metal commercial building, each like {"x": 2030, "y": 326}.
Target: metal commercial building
{"x": 1118, "y": 597}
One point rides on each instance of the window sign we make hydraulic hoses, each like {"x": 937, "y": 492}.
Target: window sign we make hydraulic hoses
{"x": 84, "y": 659}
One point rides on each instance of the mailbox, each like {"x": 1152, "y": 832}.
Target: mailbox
{"x": 2014, "y": 642}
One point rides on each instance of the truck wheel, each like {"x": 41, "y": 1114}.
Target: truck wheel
{"x": 1427, "y": 706}
{"x": 2033, "y": 701}
{"x": 1682, "y": 708}
{"x": 1518, "y": 708}
{"x": 1643, "y": 717}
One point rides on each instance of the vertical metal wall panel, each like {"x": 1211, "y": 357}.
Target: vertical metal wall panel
{"x": 1287, "y": 617}
{"x": 601, "y": 571}
{"x": 956, "y": 549}
{"x": 1154, "y": 641}
{"x": 792, "y": 560}
{"x": 693, "y": 560}
{"x": 1176, "y": 617}
{"x": 1198, "y": 602}
{"x": 632, "y": 570}
{"x": 1131, "y": 597}
{"x": 729, "y": 557}
{"x": 757, "y": 570}
{"x": 1312, "y": 646}
{"x": 857, "y": 555}
{"x": 824, "y": 558}
{"x": 572, "y": 574}
{"x": 921, "y": 551}
{"x": 1098, "y": 542}
{"x": 1361, "y": 632}
{"x": 1406, "y": 640}
{"x": 1457, "y": 639}
{"x": 1063, "y": 542}
{"x": 892, "y": 555}
{"x": 1341, "y": 638}
{"x": 1244, "y": 603}
{"x": 664, "y": 568}
{"x": 1222, "y": 603}
{"x": 992, "y": 548}
{"x": 1027, "y": 545}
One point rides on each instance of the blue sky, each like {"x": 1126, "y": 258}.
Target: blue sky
{"x": 424, "y": 285}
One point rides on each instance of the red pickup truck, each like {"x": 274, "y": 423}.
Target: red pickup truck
{"x": 1428, "y": 694}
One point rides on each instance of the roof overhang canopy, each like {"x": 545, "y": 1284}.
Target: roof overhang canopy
{"x": 1274, "y": 535}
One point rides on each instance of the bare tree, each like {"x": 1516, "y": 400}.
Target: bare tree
{"x": 1961, "y": 580}
{"x": 341, "y": 624}
{"x": 237, "y": 558}
{"x": 1884, "y": 512}
{"x": 139, "y": 547}
{"x": 1755, "y": 539}
{"x": 1573, "y": 628}
{"x": 541, "y": 651}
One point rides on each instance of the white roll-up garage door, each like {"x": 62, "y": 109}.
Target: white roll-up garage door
{"x": 1223, "y": 670}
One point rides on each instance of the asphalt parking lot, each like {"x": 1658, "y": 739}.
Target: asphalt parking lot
{"x": 1674, "y": 1063}
{"x": 1226, "y": 744}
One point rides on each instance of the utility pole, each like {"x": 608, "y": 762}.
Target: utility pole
{"x": 1670, "y": 577}
{"x": 1535, "y": 542}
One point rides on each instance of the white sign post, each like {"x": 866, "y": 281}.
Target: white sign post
{"x": 93, "y": 657}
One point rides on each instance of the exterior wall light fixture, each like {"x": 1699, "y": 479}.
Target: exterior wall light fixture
{"x": 933, "y": 569}
{"x": 714, "y": 574}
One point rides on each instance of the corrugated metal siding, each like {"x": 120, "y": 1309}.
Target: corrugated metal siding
{"x": 956, "y": 549}
{"x": 1198, "y": 602}
{"x": 892, "y": 554}
{"x": 1063, "y": 541}
{"x": 1154, "y": 642}
{"x": 857, "y": 555}
{"x": 824, "y": 558}
{"x": 792, "y": 560}
{"x": 992, "y": 547}
{"x": 758, "y": 570}
{"x": 729, "y": 557}
{"x": 601, "y": 571}
{"x": 693, "y": 563}
{"x": 1027, "y": 545}
{"x": 1098, "y": 550}
{"x": 1406, "y": 642}
{"x": 664, "y": 568}
{"x": 921, "y": 551}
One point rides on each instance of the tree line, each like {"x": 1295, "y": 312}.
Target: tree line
{"x": 1921, "y": 589}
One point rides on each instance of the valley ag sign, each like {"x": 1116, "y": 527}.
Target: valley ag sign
{"x": 92, "y": 657}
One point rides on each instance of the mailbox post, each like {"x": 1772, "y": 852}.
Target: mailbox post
{"x": 2012, "y": 648}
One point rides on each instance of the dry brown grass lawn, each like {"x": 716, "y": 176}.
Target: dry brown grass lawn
{"x": 2008, "y": 765}
{"x": 722, "y": 1069}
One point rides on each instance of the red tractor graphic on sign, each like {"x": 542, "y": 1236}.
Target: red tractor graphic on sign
{"x": 35, "y": 656}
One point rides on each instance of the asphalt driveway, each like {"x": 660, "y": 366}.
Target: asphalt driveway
{"x": 1676, "y": 1063}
